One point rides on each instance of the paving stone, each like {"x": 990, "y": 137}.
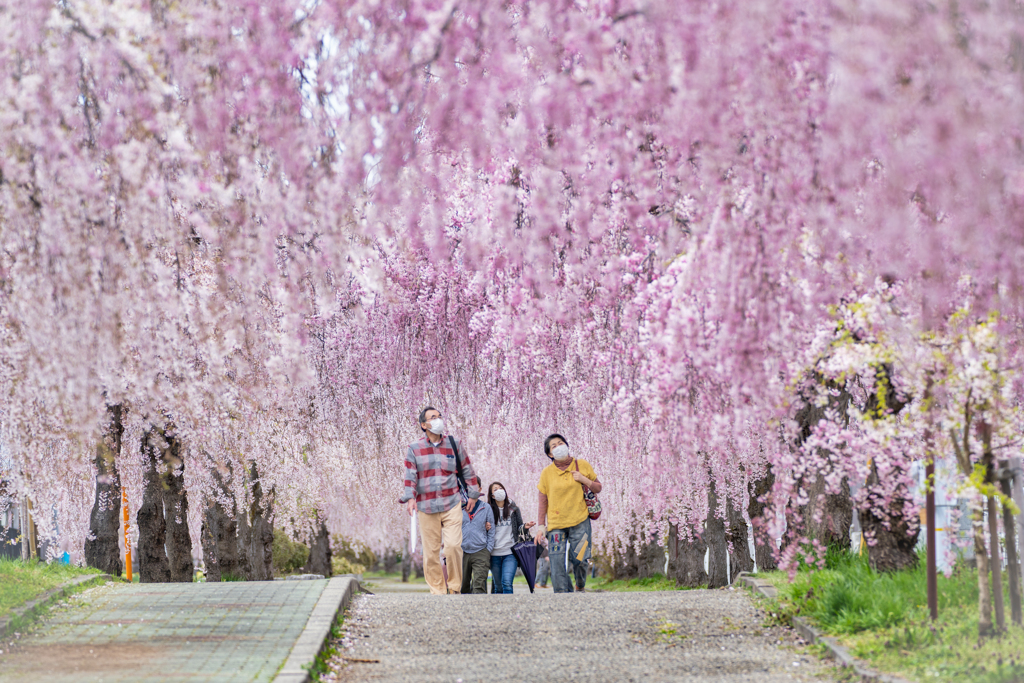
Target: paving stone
{"x": 233, "y": 631}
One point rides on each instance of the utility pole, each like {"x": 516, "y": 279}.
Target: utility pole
{"x": 933, "y": 579}
{"x": 127, "y": 536}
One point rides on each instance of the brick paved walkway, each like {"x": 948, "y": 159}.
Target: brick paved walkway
{"x": 167, "y": 632}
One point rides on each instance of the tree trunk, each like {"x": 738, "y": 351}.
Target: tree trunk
{"x": 102, "y": 550}
{"x": 153, "y": 565}
{"x": 390, "y": 560}
{"x": 686, "y": 559}
{"x": 764, "y": 544}
{"x": 736, "y": 535}
{"x": 320, "y": 552}
{"x": 651, "y": 559}
{"x": 179, "y": 542}
{"x": 259, "y": 534}
{"x": 827, "y": 516}
{"x": 891, "y": 534}
{"x": 714, "y": 535}
{"x": 222, "y": 542}
{"x": 220, "y": 535}
{"x": 406, "y": 563}
{"x": 211, "y": 558}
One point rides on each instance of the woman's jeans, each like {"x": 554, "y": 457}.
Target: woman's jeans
{"x": 503, "y": 570}
{"x": 567, "y": 544}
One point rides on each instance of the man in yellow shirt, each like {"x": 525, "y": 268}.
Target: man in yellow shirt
{"x": 568, "y": 522}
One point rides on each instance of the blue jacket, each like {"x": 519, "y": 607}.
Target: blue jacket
{"x": 475, "y": 536}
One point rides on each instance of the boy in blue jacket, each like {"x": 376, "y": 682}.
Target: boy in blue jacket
{"x": 477, "y": 544}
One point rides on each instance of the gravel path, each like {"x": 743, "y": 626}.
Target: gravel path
{"x": 654, "y": 636}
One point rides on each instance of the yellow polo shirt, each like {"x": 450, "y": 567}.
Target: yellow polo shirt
{"x": 565, "y": 495}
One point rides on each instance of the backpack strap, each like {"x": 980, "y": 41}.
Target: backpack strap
{"x": 458, "y": 458}
{"x": 461, "y": 480}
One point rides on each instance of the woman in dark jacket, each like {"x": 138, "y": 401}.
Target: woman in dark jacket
{"x": 509, "y": 530}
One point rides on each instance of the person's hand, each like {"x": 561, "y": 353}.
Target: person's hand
{"x": 581, "y": 479}
{"x": 411, "y": 506}
{"x": 487, "y": 526}
{"x": 538, "y": 531}
{"x": 528, "y": 525}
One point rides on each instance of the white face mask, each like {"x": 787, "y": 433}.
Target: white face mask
{"x": 560, "y": 452}
{"x": 436, "y": 426}
{"x": 498, "y": 494}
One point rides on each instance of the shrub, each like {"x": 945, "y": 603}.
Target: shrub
{"x": 289, "y": 555}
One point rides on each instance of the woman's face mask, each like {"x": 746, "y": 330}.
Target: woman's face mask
{"x": 560, "y": 452}
{"x": 498, "y": 494}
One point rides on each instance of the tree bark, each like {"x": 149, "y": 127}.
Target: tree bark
{"x": 211, "y": 560}
{"x": 736, "y": 535}
{"x": 714, "y": 535}
{"x": 258, "y": 533}
{"x": 764, "y": 544}
{"x": 686, "y": 559}
{"x": 390, "y": 559}
{"x": 179, "y": 542}
{"x": 891, "y": 534}
{"x": 220, "y": 537}
{"x": 406, "y": 564}
{"x": 718, "y": 572}
{"x": 320, "y": 552}
{"x": 651, "y": 558}
{"x": 102, "y": 550}
{"x": 153, "y": 564}
{"x": 827, "y": 516}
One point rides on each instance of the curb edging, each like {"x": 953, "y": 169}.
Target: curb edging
{"x": 33, "y": 608}
{"x": 335, "y": 598}
{"x": 812, "y": 635}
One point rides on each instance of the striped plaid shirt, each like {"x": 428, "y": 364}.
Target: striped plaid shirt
{"x": 430, "y": 476}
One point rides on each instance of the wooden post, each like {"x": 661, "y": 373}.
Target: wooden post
{"x": 997, "y": 568}
{"x": 127, "y": 535}
{"x": 1017, "y": 484}
{"x": 26, "y": 555}
{"x": 933, "y": 580}
{"x": 29, "y": 532}
{"x": 1007, "y": 483}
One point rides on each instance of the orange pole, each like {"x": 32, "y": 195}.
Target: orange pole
{"x": 127, "y": 536}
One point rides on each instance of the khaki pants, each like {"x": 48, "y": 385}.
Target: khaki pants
{"x": 433, "y": 527}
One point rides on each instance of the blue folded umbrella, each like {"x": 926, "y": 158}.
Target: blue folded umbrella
{"x": 526, "y": 556}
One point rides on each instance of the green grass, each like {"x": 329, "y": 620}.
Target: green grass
{"x": 369, "y": 577}
{"x": 883, "y": 619}
{"x": 21, "y": 581}
{"x": 322, "y": 663}
{"x": 653, "y": 583}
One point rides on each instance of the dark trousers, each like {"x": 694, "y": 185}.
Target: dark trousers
{"x": 474, "y": 571}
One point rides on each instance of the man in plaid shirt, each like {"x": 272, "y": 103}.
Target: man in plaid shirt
{"x": 432, "y": 488}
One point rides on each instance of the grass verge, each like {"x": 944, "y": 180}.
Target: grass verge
{"x": 883, "y": 620}
{"x": 653, "y": 583}
{"x": 21, "y": 582}
{"x": 322, "y": 663}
